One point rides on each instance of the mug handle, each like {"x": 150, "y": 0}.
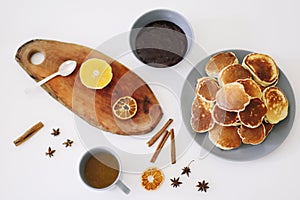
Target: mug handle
{"x": 123, "y": 187}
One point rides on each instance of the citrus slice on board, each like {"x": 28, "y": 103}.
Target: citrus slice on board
{"x": 95, "y": 73}
{"x": 125, "y": 107}
{"x": 152, "y": 178}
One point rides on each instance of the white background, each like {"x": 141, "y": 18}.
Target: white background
{"x": 270, "y": 27}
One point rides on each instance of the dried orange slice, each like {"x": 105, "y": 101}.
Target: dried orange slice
{"x": 152, "y": 178}
{"x": 125, "y": 107}
{"x": 95, "y": 73}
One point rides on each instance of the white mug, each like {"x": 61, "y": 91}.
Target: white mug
{"x": 82, "y": 167}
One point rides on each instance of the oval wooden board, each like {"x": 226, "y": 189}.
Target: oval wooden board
{"x": 94, "y": 106}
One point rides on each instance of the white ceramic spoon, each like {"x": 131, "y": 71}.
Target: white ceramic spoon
{"x": 65, "y": 69}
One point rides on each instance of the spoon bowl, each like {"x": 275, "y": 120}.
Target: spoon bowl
{"x": 67, "y": 67}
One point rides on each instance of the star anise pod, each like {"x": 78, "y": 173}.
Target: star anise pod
{"x": 202, "y": 186}
{"x": 55, "y": 132}
{"x": 187, "y": 170}
{"x": 50, "y": 152}
{"x": 175, "y": 182}
{"x": 68, "y": 143}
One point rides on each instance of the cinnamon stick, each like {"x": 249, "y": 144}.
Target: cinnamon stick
{"x": 173, "y": 149}
{"x": 160, "y": 146}
{"x": 159, "y": 133}
{"x": 28, "y": 134}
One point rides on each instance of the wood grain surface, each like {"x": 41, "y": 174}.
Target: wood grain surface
{"x": 94, "y": 106}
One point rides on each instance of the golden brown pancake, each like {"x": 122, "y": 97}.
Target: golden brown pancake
{"x": 218, "y": 62}
{"x": 201, "y": 120}
{"x": 251, "y": 88}
{"x": 277, "y": 104}
{"x": 232, "y": 73}
{"x": 225, "y": 137}
{"x": 207, "y": 88}
{"x": 263, "y": 68}
{"x": 253, "y": 114}
{"x": 232, "y": 97}
{"x": 268, "y": 127}
{"x": 225, "y": 118}
{"x": 252, "y": 136}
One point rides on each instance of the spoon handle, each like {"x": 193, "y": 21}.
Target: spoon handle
{"x": 41, "y": 82}
{"x": 47, "y": 79}
{"x": 123, "y": 187}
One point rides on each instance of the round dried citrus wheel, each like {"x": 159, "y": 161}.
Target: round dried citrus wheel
{"x": 125, "y": 107}
{"x": 152, "y": 178}
{"x": 95, "y": 73}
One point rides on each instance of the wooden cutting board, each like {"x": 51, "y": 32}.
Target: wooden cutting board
{"x": 94, "y": 106}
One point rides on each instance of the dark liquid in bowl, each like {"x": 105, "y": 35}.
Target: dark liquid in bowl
{"x": 101, "y": 170}
{"x": 161, "y": 44}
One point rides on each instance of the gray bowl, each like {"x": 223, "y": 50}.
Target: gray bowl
{"x": 245, "y": 152}
{"x": 161, "y": 15}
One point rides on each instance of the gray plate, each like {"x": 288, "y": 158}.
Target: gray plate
{"x": 245, "y": 152}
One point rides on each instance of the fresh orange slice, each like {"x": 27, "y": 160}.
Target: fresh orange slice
{"x": 125, "y": 107}
{"x": 95, "y": 73}
{"x": 152, "y": 178}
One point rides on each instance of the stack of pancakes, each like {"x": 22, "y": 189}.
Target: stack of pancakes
{"x": 238, "y": 103}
